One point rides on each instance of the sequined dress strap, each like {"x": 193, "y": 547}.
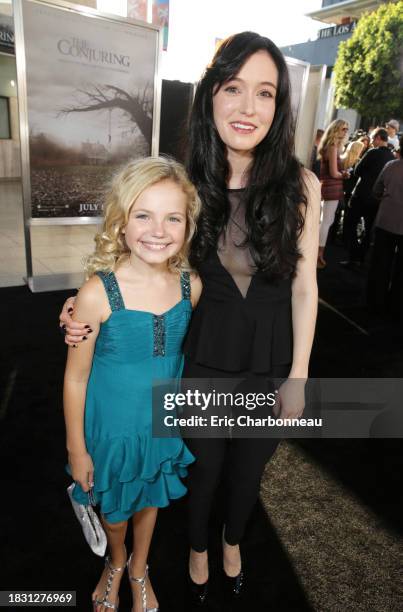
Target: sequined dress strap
{"x": 185, "y": 285}
{"x": 112, "y": 290}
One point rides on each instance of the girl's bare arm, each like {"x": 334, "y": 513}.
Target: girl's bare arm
{"x": 91, "y": 305}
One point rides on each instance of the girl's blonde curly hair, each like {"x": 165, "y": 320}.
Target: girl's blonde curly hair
{"x": 126, "y": 187}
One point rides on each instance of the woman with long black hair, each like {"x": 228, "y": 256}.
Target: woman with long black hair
{"x": 255, "y": 250}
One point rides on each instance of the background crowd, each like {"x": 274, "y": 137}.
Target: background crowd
{"x": 362, "y": 206}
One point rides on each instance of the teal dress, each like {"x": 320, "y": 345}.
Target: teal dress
{"x": 133, "y": 470}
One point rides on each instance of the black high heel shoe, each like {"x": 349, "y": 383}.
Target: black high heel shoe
{"x": 233, "y": 586}
{"x": 197, "y": 592}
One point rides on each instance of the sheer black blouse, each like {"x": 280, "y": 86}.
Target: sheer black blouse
{"x": 243, "y": 320}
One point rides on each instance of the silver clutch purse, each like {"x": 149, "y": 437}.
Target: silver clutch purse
{"x": 89, "y": 521}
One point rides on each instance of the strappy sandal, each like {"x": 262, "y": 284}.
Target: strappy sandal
{"x": 142, "y": 583}
{"x": 111, "y": 574}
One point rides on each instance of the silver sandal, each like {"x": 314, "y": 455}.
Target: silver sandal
{"x": 142, "y": 583}
{"x": 111, "y": 574}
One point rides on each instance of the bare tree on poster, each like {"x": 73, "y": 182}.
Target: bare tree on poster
{"x": 107, "y": 97}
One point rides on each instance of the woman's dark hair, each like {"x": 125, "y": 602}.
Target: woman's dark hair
{"x": 274, "y": 188}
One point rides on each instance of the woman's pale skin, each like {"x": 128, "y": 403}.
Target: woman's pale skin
{"x": 243, "y": 110}
{"x": 155, "y": 232}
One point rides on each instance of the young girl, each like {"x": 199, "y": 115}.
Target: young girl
{"x": 138, "y": 302}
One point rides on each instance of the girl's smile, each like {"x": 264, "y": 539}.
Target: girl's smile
{"x": 154, "y": 246}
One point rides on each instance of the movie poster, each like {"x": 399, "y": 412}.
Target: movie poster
{"x": 90, "y": 98}
{"x": 6, "y": 34}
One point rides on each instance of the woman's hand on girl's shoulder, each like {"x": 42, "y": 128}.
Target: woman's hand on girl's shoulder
{"x": 195, "y": 288}
{"x": 92, "y": 302}
{"x": 91, "y": 306}
{"x": 73, "y": 330}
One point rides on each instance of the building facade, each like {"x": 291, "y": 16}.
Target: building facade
{"x": 340, "y": 17}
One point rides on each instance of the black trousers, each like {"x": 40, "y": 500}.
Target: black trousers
{"x": 358, "y": 208}
{"x": 385, "y": 278}
{"x": 244, "y": 460}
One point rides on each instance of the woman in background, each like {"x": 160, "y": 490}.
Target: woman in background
{"x": 315, "y": 161}
{"x": 350, "y": 158}
{"x": 331, "y": 177}
{"x": 366, "y": 141}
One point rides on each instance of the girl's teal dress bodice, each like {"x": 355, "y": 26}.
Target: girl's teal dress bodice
{"x": 133, "y": 470}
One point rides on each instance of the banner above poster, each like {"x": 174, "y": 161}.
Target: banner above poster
{"x": 159, "y": 15}
{"x": 90, "y": 89}
{"x": 161, "y": 19}
{"x": 137, "y": 9}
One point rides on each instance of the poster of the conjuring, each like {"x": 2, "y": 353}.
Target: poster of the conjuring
{"x": 90, "y": 86}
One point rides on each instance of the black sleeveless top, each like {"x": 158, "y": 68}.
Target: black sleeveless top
{"x": 242, "y": 320}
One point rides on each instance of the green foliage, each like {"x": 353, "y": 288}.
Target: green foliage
{"x": 369, "y": 65}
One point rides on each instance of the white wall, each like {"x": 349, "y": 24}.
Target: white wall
{"x": 308, "y": 119}
{"x": 322, "y": 119}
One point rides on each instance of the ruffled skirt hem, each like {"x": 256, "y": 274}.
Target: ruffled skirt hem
{"x": 135, "y": 473}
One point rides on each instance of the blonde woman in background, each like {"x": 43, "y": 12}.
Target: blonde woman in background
{"x": 352, "y": 154}
{"x": 331, "y": 177}
{"x": 366, "y": 141}
{"x": 350, "y": 158}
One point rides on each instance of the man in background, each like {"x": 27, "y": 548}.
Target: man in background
{"x": 363, "y": 204}
{"x": 385, "y": 279}
{"x": 392, "y": 127}
{"x": 315, "y": 162}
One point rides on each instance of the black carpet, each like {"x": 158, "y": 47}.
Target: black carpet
{"x": 41, "y": 544}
